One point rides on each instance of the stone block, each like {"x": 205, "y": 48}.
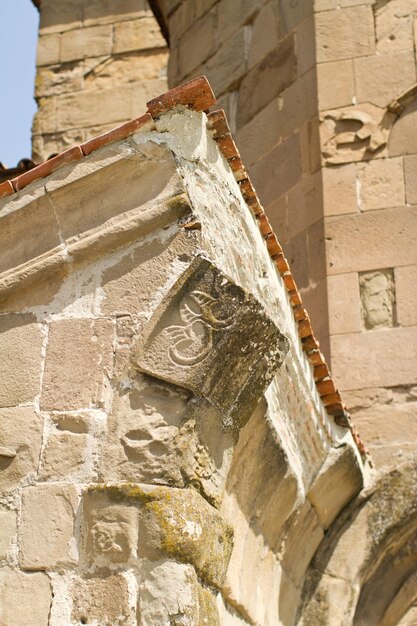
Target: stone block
{"x": 20, "y": 444}
{"x": 410, "y": 176}
{"x": 339, "y": 189}
{"x": 392, "y": 231}
{"x": 260, "y": 134}
{"x": 302, "y": 540}
{"x": 170, "y": 594}
{"x": 266, "y": 80}
{"x": 15, "y": 248}
{"x": 107, "y": 12}
{"x": 306, "y": 45}
{"x": 78, "y": 364}
{"x": 47, "y": 52}
{"x": 387, "y": 424}
{"x": 57, "y": 79}
{"x": 335, "y": 84}
{"x": 47, "y": 527}
{"x": 296, "y": 252}
{"x": 8, "y": 525}
{"x": 206, "y": 322}
{"x": 86, "y": 42}
{"x": 74, "y": 110}
{"x": 381, "y": 184}
{"x": 394, "y": 26}
{"x": 65, "y": 456}
{"x": 344, "y": 33}
{"x": 21, "y": 341}
{"x": 377, "y": 298}
{"x": 57, "y": 17}
{"x": 328, "y": 499}
{"x": 24, "y": 598}
{"x": 141, "y": 34}
{"x": 266, "y": 33}
{"x": 228, "y": 65}
{"x": 181, "y": 19}
{"x": 403, "y": 136}
{"x": 232, "y": 15}
{"x": 317, "y": 259}
{"x": 344, "y": 304}
{"x": 102, "y": 600}
{"x": 145, "y": 90}
{"x": 200, "y": 38}
{"x": 389, "y": 355}
{"x": 304, "y": 204}
{"x": 378, "y": 80}
{"x": 406, "y": 295}
{"x": 129, "y": 286}
{"x": 130, "y": 68}
{"x": 45, "y": 119}
{"x": 315, "y": 300}
{"x": 278, "y": 171}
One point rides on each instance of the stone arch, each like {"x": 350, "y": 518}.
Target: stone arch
{"x": 363, "y": 572}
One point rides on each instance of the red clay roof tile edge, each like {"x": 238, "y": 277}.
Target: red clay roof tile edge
{"x": 220, "y": 131}
{"x": 198, "y": 95}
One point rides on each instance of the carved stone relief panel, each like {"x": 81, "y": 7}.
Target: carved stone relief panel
{"x": 213, "y": 338}
{"x": 353, "y": 134}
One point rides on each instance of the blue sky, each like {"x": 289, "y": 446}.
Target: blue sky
{"x": 18, "y": 36}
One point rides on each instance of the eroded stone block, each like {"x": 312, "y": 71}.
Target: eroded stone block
{"x": 47, "y": 526}
{"x": 24, "y": 598}
{"x": 64, "y": 455}
{"x": 8, "y": 526}
{"x": 102, "y": 600}
{"x": 212, "y": 337}
{"x": 20, "y": 365}
{"x": 157, "y": 435}
{"x": 20, "y": 444}
{"x": 78, "y": 364}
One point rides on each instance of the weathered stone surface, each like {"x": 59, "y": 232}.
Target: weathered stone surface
{"x": 344, "y": 34}
{"x": 8, "y": 525}
{"x": 47, "y": 527}
{"x": 339, "y": 190}
{"x": 325, "y": 494}
{"x": 199, "y": 328}
{"x": 265, "y": 34}
{"x": 377, "y": 298}
{"x": 102, "y": 600}
{"x": 104, "y": 11}
{"x": 20, "y": 444}
{"x": 378, "y": 80}
{"x": 169, "y": 595}
{"x": 381, "y": 184}
{"x": 394, "y": 26}
{"x": 228, "y": 64}
{"x": 24, "y": 598}
{"x": 130, "y": 285}
{"x": 65, "y": 456}
{"x": 406, "y": 295}
{"x": 390, "y": 356}
{"x": 279, "y": 170}
{"x": 335, "y": 84}
{"x": 347, "y": 238}
{"x": 200, "y": 38}
{"x": 78, "y": 364}
{"x": 410, "y": 177}
{"x": 173, "y": 523}
{"x": 266, "y": 80}
{"x": 47, "y": 51}
{"x": 403, "y": 137}
{"x": 156, "y": 435}
{"x": 86, "y": 42}
{"x": 140, "y": 34}
{"x": 344, "y": 303}
{"x": 110, "y": 105}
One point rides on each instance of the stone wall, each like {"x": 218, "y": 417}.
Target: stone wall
{"x": 98, "y": 63}
{"x": 321, "y": 98}
{"x": 162, "y": 436}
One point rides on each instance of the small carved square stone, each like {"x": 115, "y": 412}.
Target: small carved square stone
{"x": 212, "y": 337}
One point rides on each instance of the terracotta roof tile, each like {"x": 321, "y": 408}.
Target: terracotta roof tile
{"x": 120, "y": 132}
{"x": 197, "y": 95}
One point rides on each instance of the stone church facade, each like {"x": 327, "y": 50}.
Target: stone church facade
{"x": 203, "y": 299}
